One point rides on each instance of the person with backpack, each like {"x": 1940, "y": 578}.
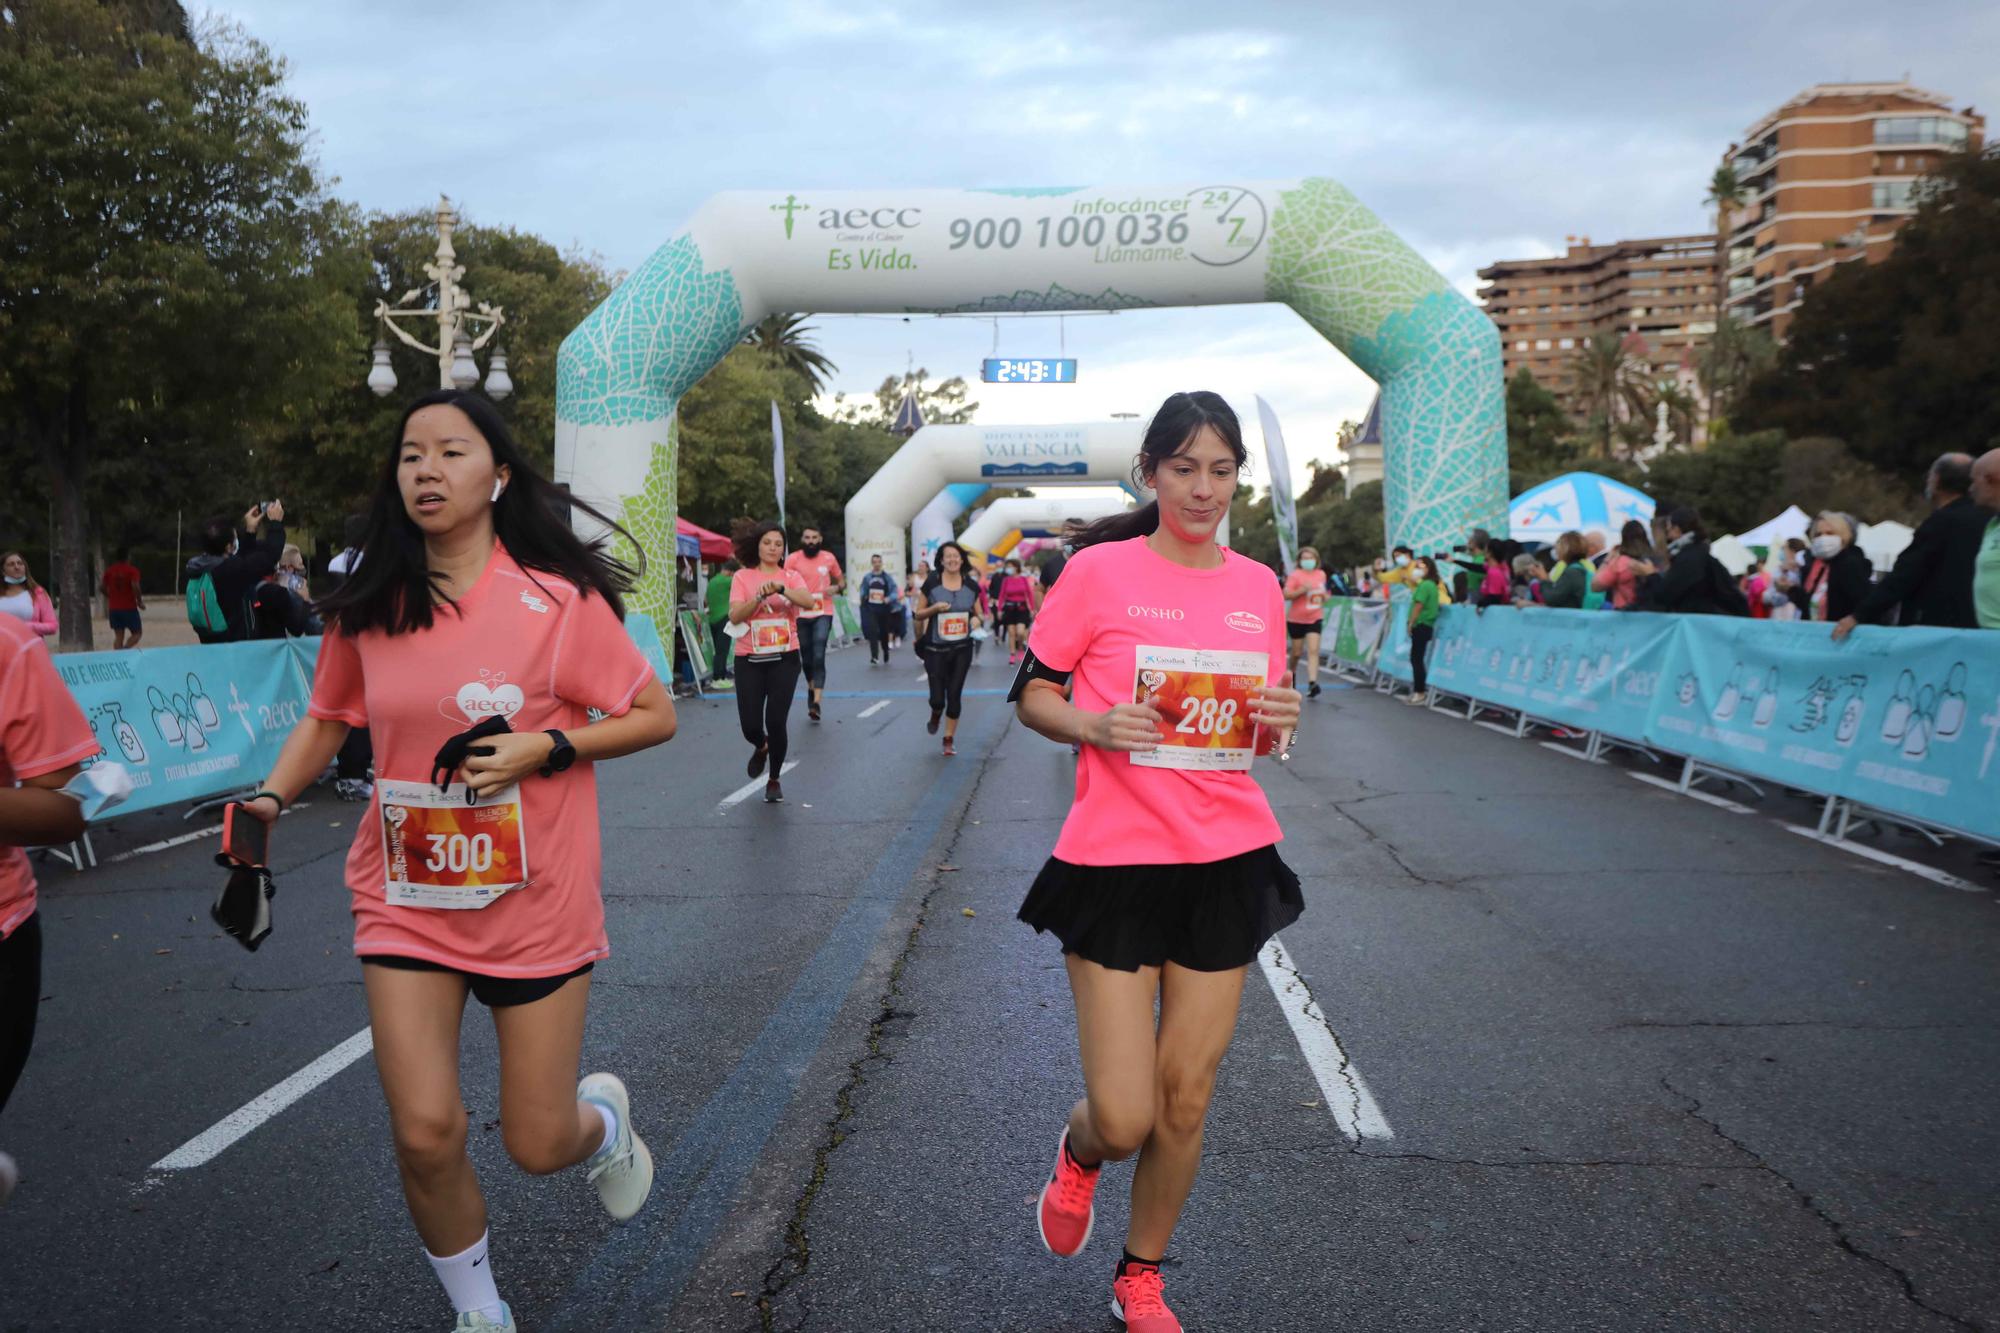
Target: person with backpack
{"x": 222, "y": 578}
{"x": 1695, "y": 583}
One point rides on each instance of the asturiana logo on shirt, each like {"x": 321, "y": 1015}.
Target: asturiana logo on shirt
{"x": 1247, "y": 621}
{"x": 1156, "y": 612}
{"x": 489, "y": 696}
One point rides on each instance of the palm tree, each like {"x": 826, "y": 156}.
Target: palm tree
{"x": 1612, "y": 386}
{"x": 783, "y": 339}
{"x": 1726, "y": 194}
{"x": 1731, "y": 358}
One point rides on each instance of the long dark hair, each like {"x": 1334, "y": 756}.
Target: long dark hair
{"x": 392, "y": 588}
{"x": 1177, "y": 422}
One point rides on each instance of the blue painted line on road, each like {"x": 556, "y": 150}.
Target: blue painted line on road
{"x": 640, "y": 1269}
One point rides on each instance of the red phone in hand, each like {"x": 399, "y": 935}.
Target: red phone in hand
{"x": 246, "y": 839}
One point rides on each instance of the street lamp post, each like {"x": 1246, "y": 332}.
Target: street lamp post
{"x": 457, "y": 320}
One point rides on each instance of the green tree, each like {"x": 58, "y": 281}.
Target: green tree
{"x": 1900, "y": 358}
{"x": 1613, "y": 388}
{"x": 330, "y": 463}
{"x": 1726, "y": 194}
{"x": 1539, "y": 440}
{"x": 1347, "y": 529}
{"x": 943, "y": 404}
{"x": 170, "y": 267}
{"x": 783, "y": 339}
{"x": 1735, "y": 354}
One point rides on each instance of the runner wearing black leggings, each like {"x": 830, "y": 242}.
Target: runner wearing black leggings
{"x": 947, "y": 611}
{"x": 765, "y": 598}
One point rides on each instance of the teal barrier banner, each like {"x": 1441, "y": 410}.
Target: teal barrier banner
{"x": 1902, "y": 719}
{"x": 190, "y": 722}
{"x": 1583, "y": 669}
{"x": 646, "y": 634}
{"x": 1906, "y": 720}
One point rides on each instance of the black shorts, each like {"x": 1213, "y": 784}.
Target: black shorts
{"x": 1299, "y": 631}
{"x": 1015, "y": 615}
{"x": 493, "y": 992}
{"x": 125, "y": 620}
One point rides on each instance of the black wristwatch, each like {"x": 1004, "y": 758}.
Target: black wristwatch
{"x": 561, "y": 757}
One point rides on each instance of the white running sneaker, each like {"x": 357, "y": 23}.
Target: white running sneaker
{"x": 10, "y": 1176}
{"x": 623, "y": 1172}
{"x": 474, "y": 1322}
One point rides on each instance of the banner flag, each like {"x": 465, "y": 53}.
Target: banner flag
{"x": 1284, "y": 514}
{"x": 778, "y": 458}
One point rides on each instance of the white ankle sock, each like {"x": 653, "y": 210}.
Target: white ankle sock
{"x": 610, "y": 1126}
{"x": 468, "y": 1280}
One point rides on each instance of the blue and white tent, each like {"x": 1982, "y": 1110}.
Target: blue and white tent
{"x": 1576, "y": 501}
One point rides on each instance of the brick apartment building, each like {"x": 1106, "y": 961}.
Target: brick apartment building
{"x": 1830, "y": 177}
{"x": 1656, "y": 293}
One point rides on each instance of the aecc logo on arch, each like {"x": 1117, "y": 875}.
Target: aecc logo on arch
{"x": 885, "y": 218}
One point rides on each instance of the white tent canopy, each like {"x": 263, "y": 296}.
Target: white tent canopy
{"x": 1734, "y": 555}
{"x": 1777, "y": 531}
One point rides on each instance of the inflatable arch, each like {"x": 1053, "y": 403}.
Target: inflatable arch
{"x": 998, "y": 527}
{"x": 1309, "y": 244}
{"x": 932, "y": 525}
{"x": 939, "y": 457}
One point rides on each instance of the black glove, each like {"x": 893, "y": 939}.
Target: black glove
{"x": 243, "y": 908}
{"x": 454, "y": 751}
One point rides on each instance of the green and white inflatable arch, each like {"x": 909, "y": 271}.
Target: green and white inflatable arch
{"x": 1309, "y": 244}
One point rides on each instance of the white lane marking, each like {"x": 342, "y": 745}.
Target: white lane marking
{"x": 179, "y": 839}
{"x": 1668, "y": 784}
{"x": 1931, "y": 873}
{"x": 1340, "y": 1083}
{"x": 1569, "y": 750}
{"x": 874, "y": 708}
{"x": 753, "y": 785}
{"x": 205, "y": 1146}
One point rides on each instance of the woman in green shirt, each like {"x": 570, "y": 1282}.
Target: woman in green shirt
{"x": 1423, "y": 624}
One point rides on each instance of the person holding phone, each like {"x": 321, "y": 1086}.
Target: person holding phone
{"x": 1166, "y": 880}
{"x": 44, "y": 740}
{"x": 948, "y": 610}
{"x": 477, "y": 602}
{"x": 767, "y": 598}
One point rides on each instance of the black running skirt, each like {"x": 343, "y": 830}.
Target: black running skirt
{"x": 1209, "y": 917}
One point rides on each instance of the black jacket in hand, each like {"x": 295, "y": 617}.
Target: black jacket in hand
{"x": 1932, "y": 580}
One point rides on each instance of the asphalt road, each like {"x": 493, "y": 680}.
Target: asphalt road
{"x": 1639, "y": 1062}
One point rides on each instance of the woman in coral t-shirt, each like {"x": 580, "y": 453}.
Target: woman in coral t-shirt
{"x": 1166, "y": 880}
{"x": 765, "y": 599}
{"x": 1305, "y": 608}
{"x": 477, "y": 602}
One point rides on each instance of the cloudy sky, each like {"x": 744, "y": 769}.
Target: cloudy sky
{"x": 1477, "y": 132}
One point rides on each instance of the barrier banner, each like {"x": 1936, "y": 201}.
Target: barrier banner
{"x": 189, "y": 722}
{"x": 1905, "y": 720}
{"x": 1353, "y": 633}
{"x": 1902, "y": 719}
{"x": 699, "y": 647}
{"x": 1585, "y": 669}
{"x": 646, "y": 634}
{"x": 850, "y": 623}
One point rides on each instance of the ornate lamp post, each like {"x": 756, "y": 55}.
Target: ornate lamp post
{"x": 457, "y": 320}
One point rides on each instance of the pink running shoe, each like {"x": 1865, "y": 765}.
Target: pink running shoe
{"x": 1066, "y": 1215}
{"x": 1138, "y": 1297}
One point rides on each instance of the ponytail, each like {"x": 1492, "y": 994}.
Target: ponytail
{"x": 1141, "y": 522}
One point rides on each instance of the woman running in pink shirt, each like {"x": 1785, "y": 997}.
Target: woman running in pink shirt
{"x": 477, "y": 602}
{"x": 1166, "y": 879}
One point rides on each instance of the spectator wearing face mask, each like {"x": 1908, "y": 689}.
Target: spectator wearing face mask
{"x": 1398, "y": 572}
{"x": 1838, "y": 578}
